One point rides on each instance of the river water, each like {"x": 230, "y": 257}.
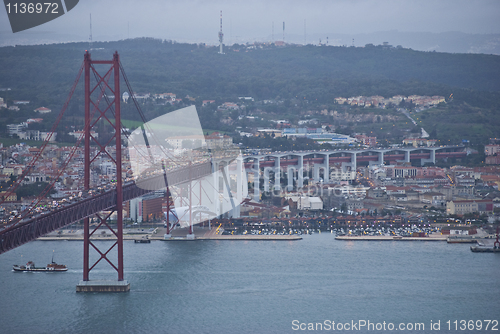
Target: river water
{"x": 257, "y": 287}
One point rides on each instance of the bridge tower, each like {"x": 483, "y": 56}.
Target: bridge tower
{"x": 102, "y": 105}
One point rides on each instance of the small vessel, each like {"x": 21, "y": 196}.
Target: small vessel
{"x": 30, "y": 266}
{"x": 142, "y": 241}
{"x": 484, "y": 249}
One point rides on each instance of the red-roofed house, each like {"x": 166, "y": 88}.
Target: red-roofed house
{"x": 205, "y": 102}
{"x": 34, "y": 120}
{"x": 43, "y": 110}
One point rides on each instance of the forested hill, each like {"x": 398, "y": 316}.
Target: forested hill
{"x": 44, "y": 73}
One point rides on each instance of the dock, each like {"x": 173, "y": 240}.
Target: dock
{"x": 390, "y": 238}
{"x": 483, "y": 249}
{"x": 240, "y": 237}
{"x": 180, "y": 234}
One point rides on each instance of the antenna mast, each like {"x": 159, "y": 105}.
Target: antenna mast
{"x": 90, "y": 37}
{"x": 283, "y": 31}
{"x": 221, "y": 35}
{"x": 305, "y": 35}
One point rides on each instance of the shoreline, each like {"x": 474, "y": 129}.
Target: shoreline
{"x": 176, "y": 238}
{"x": 390, "y": 238}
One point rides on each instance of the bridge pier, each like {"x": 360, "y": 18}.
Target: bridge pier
{"x": 190, "y": 234}
{"x": 352, "y": 165}
{"x": 432, "y": 158}
{"x": 407, "y": 156}
{"x": 380, "y": 160}
{"x": 256, "y": 181}
{"x": 277, "y": 174}
{"x": 266, "y": 179}
{"x": 239, "y": 186}
{"x": 326, "y": 170}
{"x": 300, "y": 173}
{"x": 103, "y": 286}
{"x": 290, "y": 170}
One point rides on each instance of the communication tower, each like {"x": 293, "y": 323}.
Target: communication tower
{"x": 305, "y": 38}
{"x": 221, "y": 35}
{"x": 90, "y": 36}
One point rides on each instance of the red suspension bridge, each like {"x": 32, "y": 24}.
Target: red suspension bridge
{"x": 102, "y": 104}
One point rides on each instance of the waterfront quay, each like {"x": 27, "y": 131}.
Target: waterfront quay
{"x": 200, "y": 233}
{"x": 274, "y": 229}
{"x": 432, "y": 237}
{"x": 217, "y": 233}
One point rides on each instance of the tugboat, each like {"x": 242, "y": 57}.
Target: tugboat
{"x": 30, "y": 266}
{"x": 142, "y": 240}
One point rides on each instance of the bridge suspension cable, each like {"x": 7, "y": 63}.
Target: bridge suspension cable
{"x": 32, "y": 163}
{"x": 146, "y": 126}
{"x": 66, "y": 163}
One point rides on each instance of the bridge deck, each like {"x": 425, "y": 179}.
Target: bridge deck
{"x": 28, "y": 230}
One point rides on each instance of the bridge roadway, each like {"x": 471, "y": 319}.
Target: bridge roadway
{"x": 32, "y": 228}
{"x": 352, "y": 156}
{"x": 362, "y": 158}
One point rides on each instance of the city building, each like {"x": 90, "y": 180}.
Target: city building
{"x": 4, "y": 196}
{"x": 273, "y": 133}
{"x": 367, "y": 141}
{"x": 79, "y": 134}
{"x": 416, "y": 142}
{"x": 337, "y": 174}
{"x": 305, "y": 202}
{"x": 453, "y": 192}
{"x": 461, "y": 207}
{"x": 217, "y": 140}
{"x": 15, "y": 129}
{"x": 491, "y": 149}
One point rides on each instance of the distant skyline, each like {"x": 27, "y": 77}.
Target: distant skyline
{"x": 196, "y": 21}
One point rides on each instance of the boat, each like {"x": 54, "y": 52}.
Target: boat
{"x": 484, "y": 249}
{"x": 142, "y": 241}
{"x": 30, "y": 266}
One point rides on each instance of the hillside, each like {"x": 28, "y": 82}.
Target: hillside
{"x": 315, "y": 75}
{"x": 263, "y": 73}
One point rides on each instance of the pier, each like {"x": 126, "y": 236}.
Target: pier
{"x": 179, "y": 234}
{"x": 103, "y": 286}
{"x": 436, "y": 237}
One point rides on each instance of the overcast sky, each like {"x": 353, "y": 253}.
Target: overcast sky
{"x": 253, "y": 20}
